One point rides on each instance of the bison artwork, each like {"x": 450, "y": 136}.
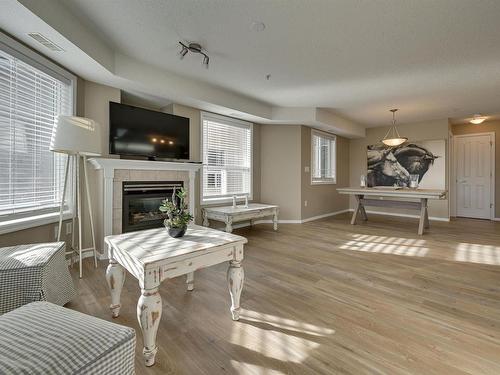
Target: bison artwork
{"x": 389, "y": 166}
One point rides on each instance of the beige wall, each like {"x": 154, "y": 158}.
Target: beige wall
{"x": 323, "y": 199}
{"x": 194, "y": 116}
{"x": 428, "y": 130}
{"x": 486, "y": 127}
{"x": 96, "y": 107}
{"x": 43, "y": 233}
{"x": 280, "y": 152}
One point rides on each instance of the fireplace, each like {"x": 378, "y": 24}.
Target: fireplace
{"x": 141, "y": 200}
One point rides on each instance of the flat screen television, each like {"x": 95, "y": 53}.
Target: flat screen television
{"x": 135, "y": 131}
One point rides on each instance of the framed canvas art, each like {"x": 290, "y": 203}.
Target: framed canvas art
{"x": 389, "y": 166}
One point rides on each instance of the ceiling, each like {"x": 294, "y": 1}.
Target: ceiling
{"x": 430, "y": 58}
{"x": 358, "y": 59}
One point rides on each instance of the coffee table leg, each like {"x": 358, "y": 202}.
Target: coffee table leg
{"x": 275, "y": 220}
{"x": 235, "y": 278}
{"x": 149, "y": 315}
{"x": 115, "y": 276}
{"x": 190, "y": 281}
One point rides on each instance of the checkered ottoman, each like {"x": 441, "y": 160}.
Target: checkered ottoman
{"x": 43, "y": 338}
{"x": 37, "y": 272}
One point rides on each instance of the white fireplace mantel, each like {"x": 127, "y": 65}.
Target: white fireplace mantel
{"x": 110, "y": 166}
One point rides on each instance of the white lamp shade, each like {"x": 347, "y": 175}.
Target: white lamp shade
{"x": 76, "y": 135}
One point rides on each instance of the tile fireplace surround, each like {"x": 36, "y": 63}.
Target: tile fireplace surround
{"x": 111, "y": 173}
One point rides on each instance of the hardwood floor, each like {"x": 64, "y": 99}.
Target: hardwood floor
{"x": 330, "y": 298}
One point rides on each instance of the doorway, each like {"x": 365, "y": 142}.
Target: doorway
{"x": 474, "y": 175}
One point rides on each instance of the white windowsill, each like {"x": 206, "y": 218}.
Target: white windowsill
{"x": 323, "y": 183}
{"x": 18, "y": 224}
{"x": 215, "y": 201}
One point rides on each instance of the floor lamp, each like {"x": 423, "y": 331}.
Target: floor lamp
{"x": 77, "y": 137}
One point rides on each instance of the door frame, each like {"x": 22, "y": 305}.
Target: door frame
{"x": 454, "y": 181}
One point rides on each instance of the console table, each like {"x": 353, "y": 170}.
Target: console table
{"x": 405, "y": 198}
{"x": 152, "y": 256}
{"x": 230, "y": 214}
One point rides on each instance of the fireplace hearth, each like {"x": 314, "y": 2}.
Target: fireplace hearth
{"x": 141, "y": 200}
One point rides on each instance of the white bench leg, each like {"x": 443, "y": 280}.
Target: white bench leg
{"x": 205, "y": 219}
{"x": 190, "y": 281}
{"x": 229, "y": 224}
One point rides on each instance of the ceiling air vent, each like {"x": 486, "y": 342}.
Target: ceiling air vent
{"x": 46, "y": 42}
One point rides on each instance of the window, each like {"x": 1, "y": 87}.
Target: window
{"x": 31, "y": 176}
{"x": 323, "y": 158}
{"x": 227, "y": 157}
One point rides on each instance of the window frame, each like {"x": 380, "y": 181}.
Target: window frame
{"x": 232, "y": 122}
{"x": 34, "y": 218}
{"x": 324, "y": 181}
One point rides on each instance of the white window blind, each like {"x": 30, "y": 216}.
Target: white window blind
{"x": 227, "y": 157}
{"x": 31, "y": 176}
{"x": 323, "y": 161}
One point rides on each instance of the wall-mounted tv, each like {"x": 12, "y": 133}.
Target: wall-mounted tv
{"x": 137, "y": 131}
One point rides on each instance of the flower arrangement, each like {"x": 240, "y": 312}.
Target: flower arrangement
{"x": 176, "y": 213}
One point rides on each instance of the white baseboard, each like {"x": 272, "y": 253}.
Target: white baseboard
{"x": 302, "y": 220}
{"x": 496, "y": 219}
{"x": 433, "y": 218}
{"x": 324, "y": 215}
{"x": 267, "y": 221}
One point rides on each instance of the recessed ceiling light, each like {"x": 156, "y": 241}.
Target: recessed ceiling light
{"x": 477, "y": 119}
{"x": 257, "y": 26}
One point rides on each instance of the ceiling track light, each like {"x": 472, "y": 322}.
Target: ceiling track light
{"x": 183, "y": 52}
{"x": 195, "y": 48}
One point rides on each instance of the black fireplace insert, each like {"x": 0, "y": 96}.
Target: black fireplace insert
{"x": 141, "y": 200}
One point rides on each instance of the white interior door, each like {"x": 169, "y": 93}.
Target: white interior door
{"x": 474, "y": 175}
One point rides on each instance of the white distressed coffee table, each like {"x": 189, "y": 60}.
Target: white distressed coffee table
{"x": 230, "y": 214}
{"x": 152, "y": 256}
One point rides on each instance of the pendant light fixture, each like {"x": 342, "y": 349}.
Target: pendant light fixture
{"x": 392, "y": 138}
{"x": 477, "y": 119}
